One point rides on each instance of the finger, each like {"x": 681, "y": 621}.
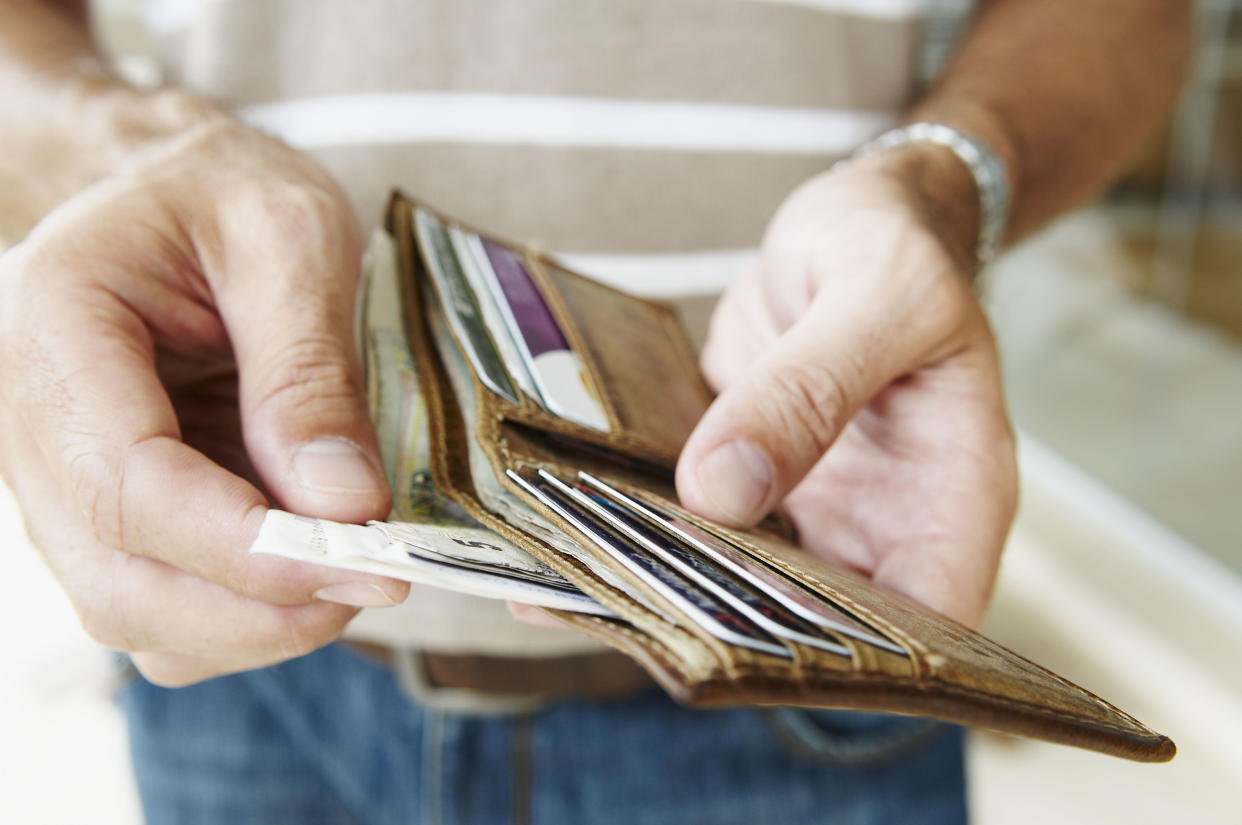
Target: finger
{"x": 167, "y": 502}
{"x": 135, "y": 603}
{"x": 166, "y": 479}
{"x": 174, "y": 670}
{"x": 286, "y": 262}
{"x": 534, "y": 616}
{"x": 138, "y": 604}
{"x": 769, "y": 427}
{"x": 726, "y": 354}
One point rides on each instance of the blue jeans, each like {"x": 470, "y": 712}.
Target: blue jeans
{"x": 332, "y": 738}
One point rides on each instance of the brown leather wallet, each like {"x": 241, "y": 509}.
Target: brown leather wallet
{"x": 642, "y": 371}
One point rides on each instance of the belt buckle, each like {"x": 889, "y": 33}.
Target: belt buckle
{"x": 417, "y": 685}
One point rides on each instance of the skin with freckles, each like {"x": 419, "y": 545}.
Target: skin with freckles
{"x": 176, "y": 349}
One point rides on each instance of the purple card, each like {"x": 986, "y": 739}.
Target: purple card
{"x": 556, "y": 369}
{"x": 539, "y": 329}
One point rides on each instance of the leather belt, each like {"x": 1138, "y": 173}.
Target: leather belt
{"x": 607, "y": 675}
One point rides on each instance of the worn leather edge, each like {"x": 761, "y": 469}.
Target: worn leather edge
{"x": 939, "y": 701}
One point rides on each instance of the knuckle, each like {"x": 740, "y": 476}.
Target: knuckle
{"x": 167, "y": 670}
{"x": 98, "y": 626}
{"x": 310, "y": 369}
{"x": 275, "y": 580}
{"x": 27, "y": 365}
{"x": 100, "y": 609}
{"x": 95, "y": 479}
{"x": 808, "y": 401}
{"x": 293, "y": 212}
{"x": 101, "y": 625}
{"x": 306, "y": 629}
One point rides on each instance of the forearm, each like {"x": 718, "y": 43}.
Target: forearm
{"x": 1066, "y": 92}
{"x": 64, "y": 122}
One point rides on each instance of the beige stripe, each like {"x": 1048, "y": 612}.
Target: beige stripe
{"x": 582, "y": 200}
{"x": 244, "y": 52}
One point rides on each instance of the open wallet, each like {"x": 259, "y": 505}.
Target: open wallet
{"x": 530, "y": 420}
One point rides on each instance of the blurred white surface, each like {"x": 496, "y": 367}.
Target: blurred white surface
{"x": 1098, "y": 592}
{"x": 63, "y": 754}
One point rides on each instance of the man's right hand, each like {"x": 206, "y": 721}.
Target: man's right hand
{"x": 176, "y": 347}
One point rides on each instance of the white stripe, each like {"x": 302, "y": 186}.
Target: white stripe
{"x": 670, "y": 275}
{"x": 165, "y": 17}
{"x": 169, "y": 16}
{"x": 419, "y": 117}
{"x": 873, "y": 9}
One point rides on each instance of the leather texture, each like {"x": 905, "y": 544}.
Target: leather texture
{"x": 644, "y": 372}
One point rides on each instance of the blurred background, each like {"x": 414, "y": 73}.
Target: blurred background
{"x": 1120, "y": 329}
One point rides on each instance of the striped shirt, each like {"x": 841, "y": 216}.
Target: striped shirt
{"x": 646, "y": 141}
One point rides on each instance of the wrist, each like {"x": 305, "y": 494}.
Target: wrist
{"x": 962, "y": 204}
{"x": 83, "y": 129}
{"x": 130, "y": 122}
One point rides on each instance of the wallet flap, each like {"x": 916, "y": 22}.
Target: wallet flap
{"x": 637, "y": 362}
{"x": 638, "y": 350}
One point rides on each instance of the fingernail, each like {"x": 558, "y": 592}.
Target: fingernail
{"x": 355, "y": 594}
{"x": 334, "y": 465}
{"x": 736, "y": 478}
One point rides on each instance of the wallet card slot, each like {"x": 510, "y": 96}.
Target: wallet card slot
{"x": 639, "y": 355}
{"x": 693, "y": 610}
{"x": 873, "y": 642}
{"x": 734, "y": 658}
{"x": 694, "y": 560}
{"x": 586, "y": 454}
{"x": 722, "y": 611}
{"x": 634, "y": 364}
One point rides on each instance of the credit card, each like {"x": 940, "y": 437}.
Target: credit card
{"x": 459, "y": 306}
{"x": 478, "y": 271}
{"x": 387, "y": 552}
{"x": 557, "y": 371}
{"x": 498, "y": 585}
{"x": 782, "y": 589}
{"x": 473, "y": 547}
{"x": 700, "y": 606}
{"x": 556, "y": 583}
{"x": 748, "y": 601}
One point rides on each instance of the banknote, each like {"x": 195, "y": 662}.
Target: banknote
{"x": 456, "y": 300}
{"x": 372, "y": 548}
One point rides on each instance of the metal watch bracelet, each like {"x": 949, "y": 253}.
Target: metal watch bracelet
{"x": 984, "y": 165}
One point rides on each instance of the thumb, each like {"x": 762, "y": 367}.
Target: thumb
{"x": 287, "y": 300}
{"x": 770, "y": 427}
